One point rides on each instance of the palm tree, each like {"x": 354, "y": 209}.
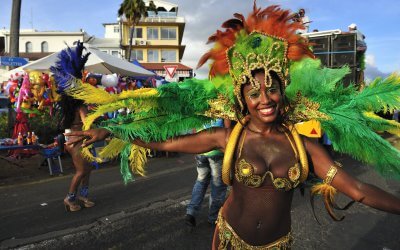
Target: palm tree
{"x": 14, "y": 28}
{"x": 134, "y": 10}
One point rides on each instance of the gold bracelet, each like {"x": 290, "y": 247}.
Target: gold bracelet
{"x": 330, "y": 174}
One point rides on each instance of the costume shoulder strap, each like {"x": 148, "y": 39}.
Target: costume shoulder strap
{"x": 229, "y": 152}
{"x": 302, "y": 153}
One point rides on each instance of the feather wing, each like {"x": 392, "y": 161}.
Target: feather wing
{"x": 156, "y": 114}
{"x": 346, "y": 114}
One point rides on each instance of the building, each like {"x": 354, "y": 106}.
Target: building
{"x": 35, "y": 44}
{"x": 157, "y": 41}
{"x": 107, "y": 45}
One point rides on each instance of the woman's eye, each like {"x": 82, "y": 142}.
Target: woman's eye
{"x": 272, "y": 90}
{"x": 254, "y": 95}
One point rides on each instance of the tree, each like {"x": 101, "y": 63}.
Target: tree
{"x": 134, "y": 10}
{"x": 14, "y": 28}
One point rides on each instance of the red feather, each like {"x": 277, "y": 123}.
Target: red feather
{"x": 272, "y": 20}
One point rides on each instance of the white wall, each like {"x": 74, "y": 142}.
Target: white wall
{"x": 109, "y": 31}
{"x": 56, "y": 40}
{"x": 55, "y": 43}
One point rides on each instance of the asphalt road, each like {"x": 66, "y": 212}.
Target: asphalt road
{"x": 148, "y": 214}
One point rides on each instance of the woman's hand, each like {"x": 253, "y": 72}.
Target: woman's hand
{"x": 91, "y": 136}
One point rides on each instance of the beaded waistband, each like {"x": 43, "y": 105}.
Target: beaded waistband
{"x": 228, "y": 236}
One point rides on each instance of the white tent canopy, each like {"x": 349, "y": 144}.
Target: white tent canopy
{"x": 98, "y": 62}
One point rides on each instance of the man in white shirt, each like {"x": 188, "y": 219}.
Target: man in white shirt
{"x": 304, "y": 20}
{"x": 361, "y": 45}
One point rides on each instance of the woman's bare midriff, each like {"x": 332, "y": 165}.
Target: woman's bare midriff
{"x": 258, "y": 215}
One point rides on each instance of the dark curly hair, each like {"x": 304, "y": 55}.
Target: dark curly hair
{"x": 69, "y": 106}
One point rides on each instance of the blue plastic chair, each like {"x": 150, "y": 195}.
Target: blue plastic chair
{"x": 51, "y": 154}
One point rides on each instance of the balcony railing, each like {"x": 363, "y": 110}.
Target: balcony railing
{"x": 158, "y": 19}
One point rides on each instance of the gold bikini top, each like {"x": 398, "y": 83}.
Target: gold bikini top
{"x": 244, "y": 171}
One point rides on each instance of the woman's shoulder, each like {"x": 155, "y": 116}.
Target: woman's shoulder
{"x": 222, "y": 135}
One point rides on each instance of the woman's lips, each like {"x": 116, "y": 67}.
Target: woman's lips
{"x": 267, "y": 111}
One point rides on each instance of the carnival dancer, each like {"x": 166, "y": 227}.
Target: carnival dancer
{"x": 264, "y": 76}
{"x": 73, "y": 114}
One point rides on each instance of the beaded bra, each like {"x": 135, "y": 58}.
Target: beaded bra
{"x": 244, "y": 171}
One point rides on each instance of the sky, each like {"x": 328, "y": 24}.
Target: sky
{"x": 377, "y": 20}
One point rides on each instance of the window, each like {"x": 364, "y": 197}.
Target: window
{"x": 152, "y": 55}
{"x": 168, "y": 33}
{"x": 137, "y": 32}
{"x": 152, "y": 33}
{"x": 116, "y": 29}
{"x": 136, "y": 54}
{"x": 28, "y": 47}
{"x": 114, "y": 53}
{"x": 44, "y": 47}
{"x": 168, "y": 55}
{"x": 2, "y": 44}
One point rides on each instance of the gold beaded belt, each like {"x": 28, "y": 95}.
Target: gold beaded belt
{"x": 228, "y": 236}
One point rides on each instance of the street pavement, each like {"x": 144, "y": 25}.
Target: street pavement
{"x": 148, "y": 213}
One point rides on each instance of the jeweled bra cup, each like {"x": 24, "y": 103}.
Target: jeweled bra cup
{"x": 244, "y": 171}
{"x": 293, "y": 172}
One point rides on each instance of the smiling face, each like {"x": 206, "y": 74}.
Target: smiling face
{"x": 263, "y": 104}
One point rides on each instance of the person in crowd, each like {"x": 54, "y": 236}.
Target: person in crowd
{"x": 73, "y": 115}
{"x": 209, "y": 167}
{"x": 296, "y": 17}
{"x": 361, "y": 45}
{"x": 304, "y": 20}
{"x": 265, "y": 159}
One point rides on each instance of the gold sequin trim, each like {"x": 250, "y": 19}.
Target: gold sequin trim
{"x": 229, "y": 239}
{"x": 306, "y": 110}
{"x": 221, "y": 107}
{"x": 330, "y": 174}
{"x": 294, "y": 172}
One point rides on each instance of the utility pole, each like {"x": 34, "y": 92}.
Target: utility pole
{"x": 14, "y": 28}
{"x": 14, "y": 50}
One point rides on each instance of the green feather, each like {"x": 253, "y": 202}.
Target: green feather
{"x": 380, "y": 95}
{"x": 344, "y": 110}
{"x": 124, "y": 167}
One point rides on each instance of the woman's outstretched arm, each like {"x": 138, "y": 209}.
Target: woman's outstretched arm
{"x": 201, "y": 142}
{"x": 362, "y": 192}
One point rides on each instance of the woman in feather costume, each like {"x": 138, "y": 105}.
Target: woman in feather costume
{"x": 264, "y": 76}
{"x": 73, "y": 115}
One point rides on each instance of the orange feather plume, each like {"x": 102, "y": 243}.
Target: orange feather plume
{"x": 272, "y": 20}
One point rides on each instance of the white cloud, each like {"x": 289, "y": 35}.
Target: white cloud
{"x": 194, "y": 50}
{"x": 370, "y": 60}
{"x": 371, "y": 70}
